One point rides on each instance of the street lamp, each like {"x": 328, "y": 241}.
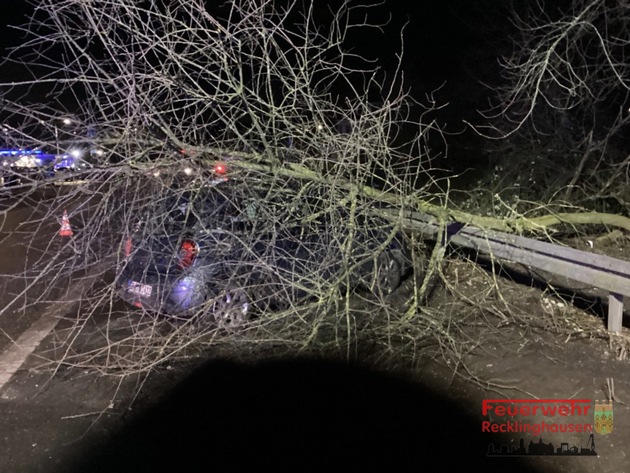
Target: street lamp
{"x": 65, "y": 121}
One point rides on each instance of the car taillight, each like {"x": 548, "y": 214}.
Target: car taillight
{"x": 128, "y": 247}
{"x": 187, "y": 253}
{"x": 219, "y": 169}
{"x": 129, "y": 240}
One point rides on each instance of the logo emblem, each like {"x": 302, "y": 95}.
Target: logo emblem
{"x": 603, "y": 417}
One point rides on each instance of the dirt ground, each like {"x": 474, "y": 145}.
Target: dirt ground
{"x": 549, "y": 342}
{"x": 526, "y": 342}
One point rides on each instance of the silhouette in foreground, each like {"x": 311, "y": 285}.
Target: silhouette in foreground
{"x": 302, "y": 415}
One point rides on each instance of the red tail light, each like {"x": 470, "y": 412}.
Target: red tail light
{"x": 128, "y": 247}
{"x": 187, "y": 253}
{"x": 220, "y": 169}
{"x": 129, "y": 240}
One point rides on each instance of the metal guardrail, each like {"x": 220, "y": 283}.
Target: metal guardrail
{"x": 604, "y": 272}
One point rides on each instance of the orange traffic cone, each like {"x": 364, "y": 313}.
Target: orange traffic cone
{"x": 66, "y": 230}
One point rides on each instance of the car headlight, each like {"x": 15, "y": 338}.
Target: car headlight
{"x": 188, "y": 292}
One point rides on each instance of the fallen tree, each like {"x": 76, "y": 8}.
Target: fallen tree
{"x": 519, "y": 224}
{"x": 158, "y": 94}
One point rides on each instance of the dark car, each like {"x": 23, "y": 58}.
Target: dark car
{"x": 233, "y": 247}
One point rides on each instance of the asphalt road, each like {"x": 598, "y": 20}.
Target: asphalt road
{"x": 47, "y": 410}
{"x": 33, "y": 259}
{"x": 42, "y": 268}
{"x": 27, "y": 244}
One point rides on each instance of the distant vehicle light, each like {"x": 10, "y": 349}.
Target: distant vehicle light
{"x": 21, "y": 152}
{"x": 188, "y": 171}
{"x": 220, "y": 169}
{"x": 75, "y": 153}
{"x": 27, "y": 162}
{"x": 65, "y": 163}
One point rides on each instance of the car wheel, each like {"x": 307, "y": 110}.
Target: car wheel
{"x": 388, "y": 273}
{"x": 231, "y": 309}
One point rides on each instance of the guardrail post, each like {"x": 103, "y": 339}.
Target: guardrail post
{"x": 594, "y": 270}
{"x": 615, "y": 312}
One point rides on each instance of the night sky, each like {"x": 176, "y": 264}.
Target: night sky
{"x": 444, "y": 41}
{"x": 453, "y": 45}
{"x": 13, "y": 13}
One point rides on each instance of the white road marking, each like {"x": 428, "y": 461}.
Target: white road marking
{"x": 17, "y": 353}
